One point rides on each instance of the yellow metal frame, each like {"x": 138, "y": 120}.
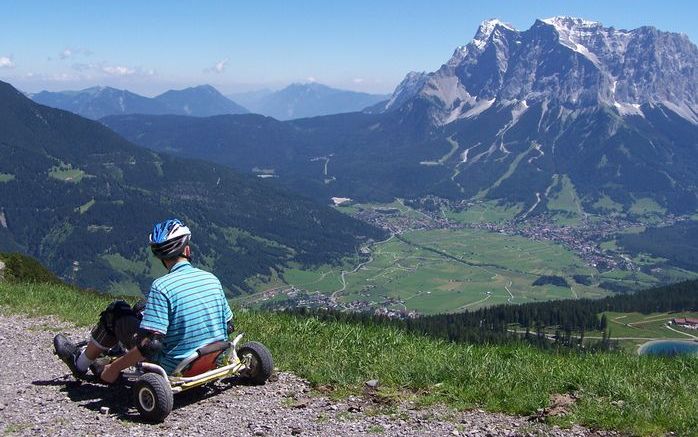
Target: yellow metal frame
{"x": 179, "y": 383}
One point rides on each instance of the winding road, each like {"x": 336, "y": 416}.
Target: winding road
{"x": 357, "y": 268}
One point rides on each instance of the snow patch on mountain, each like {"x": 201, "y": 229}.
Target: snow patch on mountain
{"x": 478, "y": 108}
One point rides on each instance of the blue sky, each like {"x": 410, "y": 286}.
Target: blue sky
{"x": 151, "y": 46}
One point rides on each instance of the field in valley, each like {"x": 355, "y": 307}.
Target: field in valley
{"x": 451, "y": 270}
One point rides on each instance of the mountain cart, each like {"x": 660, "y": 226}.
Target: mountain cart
{"x": 153, "y": 389}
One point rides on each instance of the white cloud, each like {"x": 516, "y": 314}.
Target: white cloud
{"x": 118, "y": 70}
{"x": 87, "y": 70}
{"x": 7, "y": 62}
{"x": 218, "y": 67}
{"x": 311, "y": 79}
{"x": 358, "y": 80}
{"x": 68, "y": 53}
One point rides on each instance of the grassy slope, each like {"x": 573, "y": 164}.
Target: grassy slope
{"x": 658, "y": 395}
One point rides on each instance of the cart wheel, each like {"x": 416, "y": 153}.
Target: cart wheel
{"x": 153, "y": 397}
{"x": 258, "y": 360}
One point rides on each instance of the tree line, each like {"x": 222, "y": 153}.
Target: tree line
{"x": 553, "y": 324}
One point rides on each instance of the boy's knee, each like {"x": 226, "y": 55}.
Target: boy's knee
{"x": 115, "y": 311}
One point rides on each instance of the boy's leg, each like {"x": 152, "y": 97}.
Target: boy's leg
{"x": 114, "y": 325}
{"x": 126, "y": 329}
{"x": 103, "y": 336}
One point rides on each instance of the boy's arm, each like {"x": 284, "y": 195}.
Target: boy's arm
{"x": 148, "y": 346}
{"x": 112, "y": 371}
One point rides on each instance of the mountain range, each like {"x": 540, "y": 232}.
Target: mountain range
{"x": 82, "y": 200}
{"x": 295, "y": 101}
{"x": 301, "y": 100}
{"x": 607, "y": 116}
{"x": 98, "y": 102}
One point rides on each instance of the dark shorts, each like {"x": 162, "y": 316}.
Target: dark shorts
{"x": 117, "y": 324}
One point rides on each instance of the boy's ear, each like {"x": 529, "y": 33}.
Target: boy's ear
{"x": 187, "y": 251}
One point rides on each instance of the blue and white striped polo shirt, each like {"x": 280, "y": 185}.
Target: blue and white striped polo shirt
{"x": 188, "y": 306}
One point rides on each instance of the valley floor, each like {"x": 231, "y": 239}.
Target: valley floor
{"x": 39, "y": 397}
{"x": 441, "y": 260}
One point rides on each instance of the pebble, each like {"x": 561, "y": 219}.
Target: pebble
{"x": 373, "y": 383}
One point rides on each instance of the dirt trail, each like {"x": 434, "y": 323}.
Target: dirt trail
{"x": 38, "y": 397}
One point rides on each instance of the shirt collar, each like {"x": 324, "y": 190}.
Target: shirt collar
{"x": 180, "y": 265}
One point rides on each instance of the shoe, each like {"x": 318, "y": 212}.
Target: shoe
{"x": 96, "y": 368}
{"x": 68, "y": 352}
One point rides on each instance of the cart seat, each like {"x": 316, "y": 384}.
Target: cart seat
{"x": 203, "y": 359}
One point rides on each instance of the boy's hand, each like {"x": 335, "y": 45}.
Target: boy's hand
{"x": 109, "y": 374}
{"x": 112, "y": 371}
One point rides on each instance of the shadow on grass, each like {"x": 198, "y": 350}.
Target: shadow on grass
{"x": 119, "y": 399}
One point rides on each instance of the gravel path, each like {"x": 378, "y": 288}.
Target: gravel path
{"x": 38, "y": 397}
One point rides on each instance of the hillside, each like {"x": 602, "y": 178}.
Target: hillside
{"x": 82, "y": 200}
{"x": 18, "y": 268}
{"x": 98, "y": 102}
{"x": 514, "y": 116}
{"x": 361, "y": 156}
{"x": 301, "y": 100}
{"x": 637, "y": 395}
{"x": 199, "y": 101}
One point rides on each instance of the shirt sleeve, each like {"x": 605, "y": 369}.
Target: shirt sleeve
{"x": 156, "y": 316}
{"x": 226, "y": 306}
{"x": 228, "y": 312}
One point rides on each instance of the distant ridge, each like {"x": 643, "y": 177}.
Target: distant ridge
{"x": 301, "y": 100}
{"x": 98, "y": 102}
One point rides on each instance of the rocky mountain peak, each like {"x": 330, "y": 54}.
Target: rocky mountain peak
{"x": 486, "y": 29}
{"x": 574, "y": 62}
{"x": 407, "y": 89}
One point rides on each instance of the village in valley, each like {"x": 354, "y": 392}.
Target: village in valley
{"x": 584, "y": 238}
{"x": 291, "y": 298}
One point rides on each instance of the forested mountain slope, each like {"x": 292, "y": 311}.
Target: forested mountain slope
{"x": 82, "y": 200}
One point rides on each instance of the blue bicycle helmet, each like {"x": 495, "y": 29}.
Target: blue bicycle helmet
{"x": 169, "y": 238}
